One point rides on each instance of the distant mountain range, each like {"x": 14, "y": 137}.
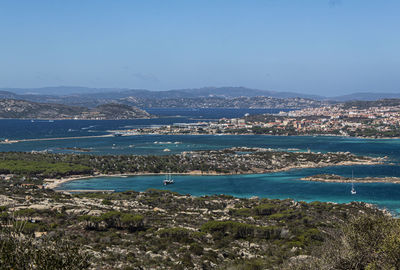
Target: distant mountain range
{"x": 227, "y": 92}
{"x": 92, "y": 97}
{"x": 221, "y": 102}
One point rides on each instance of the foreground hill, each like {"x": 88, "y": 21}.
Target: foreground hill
{"x": 11, "y": 108}
{"x": 166, "y": 230}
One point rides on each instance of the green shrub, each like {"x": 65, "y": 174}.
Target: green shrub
{"x": 27, "y": 212}
{"x": 180, "y": 235}
{"x": 240, "y": 230}
{"x": 22, "y": 252}
{"x": 367, "y": 242}
{"x": 196, "y": 249}
{"x": 265, "y": 209}
{"x": 132, "y": 222}
{"x": 112, "y": 219}
{"x": 106, "y": 202}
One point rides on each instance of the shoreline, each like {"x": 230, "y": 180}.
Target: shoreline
{"x": 52, "y": 183}
{"x": 252, "y": 134}
{"x": 55, "y": 183}
{"x": 340, "y": 179}
{"x": 110, "y": 134}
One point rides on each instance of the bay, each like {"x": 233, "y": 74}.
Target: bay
{"x": 281, "y": 185}
{"x": 275, "y": 185}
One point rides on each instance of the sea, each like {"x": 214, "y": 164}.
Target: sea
{"x": 280, "y": 185}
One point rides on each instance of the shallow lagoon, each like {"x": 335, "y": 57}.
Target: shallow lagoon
{"x": 280, "y": 185}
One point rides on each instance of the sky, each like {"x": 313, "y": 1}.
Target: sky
{"x": 325, "y": 47}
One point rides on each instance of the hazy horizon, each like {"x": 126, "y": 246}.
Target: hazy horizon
{"x": 115, "y": 89}
{"x": 327, "y": 48}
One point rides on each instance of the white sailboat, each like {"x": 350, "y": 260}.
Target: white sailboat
{"x": 353, "y": 191}
{"x": 168, "y": 180}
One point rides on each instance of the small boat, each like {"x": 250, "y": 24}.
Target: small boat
{"x": 168, "y": 180}
{"x": 353, "y": 191}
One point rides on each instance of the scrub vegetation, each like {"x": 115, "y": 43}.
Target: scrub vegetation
{"x": 165, "y": 230}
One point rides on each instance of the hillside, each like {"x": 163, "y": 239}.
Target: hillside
{"x": 11, "y": 108}
{"x": 165, "y": 230}
{"x": 206, "y": 97}
{"x": 366, "y": 96}
{"x": 376, "y": 103}
{"x": 200, "y": 98}
{"x": 222, "y": 102}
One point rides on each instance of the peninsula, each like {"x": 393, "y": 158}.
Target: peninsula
{"x": 373, "y": 119}
{"x": 35, "y": 167}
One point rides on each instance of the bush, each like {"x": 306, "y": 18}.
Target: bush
{"x": 180, "y": 235}
{"x": 240, "y": 230}
{"x": 265, "y": 209}
{"x": 132, "y": 222}
{"x": 196, "y": 249}
{"x": 112, "y": 219}
{"x": 106, "y": 202}
{"x": 368, "y": 242}
{"x": 23, "y": 252}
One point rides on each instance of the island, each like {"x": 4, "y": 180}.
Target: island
{"x": 21, "y": 109}
{"x": 341, "y": 179}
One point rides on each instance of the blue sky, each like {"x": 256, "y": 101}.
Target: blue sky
{"x": 325, "y": 47}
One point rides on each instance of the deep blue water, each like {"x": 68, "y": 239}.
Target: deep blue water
{"x": 275, "y": 185}
{"x": 29, "y": 129}
{"x": 155, "y": 144}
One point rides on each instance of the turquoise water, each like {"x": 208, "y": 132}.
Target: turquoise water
{"x": 280, "y": 185}
{"x": 276, "y": 185}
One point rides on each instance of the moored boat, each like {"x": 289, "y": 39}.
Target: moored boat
{"x": 168, "y": 180}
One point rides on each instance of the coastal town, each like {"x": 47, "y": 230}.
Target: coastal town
{"x": 379, "y": 119}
